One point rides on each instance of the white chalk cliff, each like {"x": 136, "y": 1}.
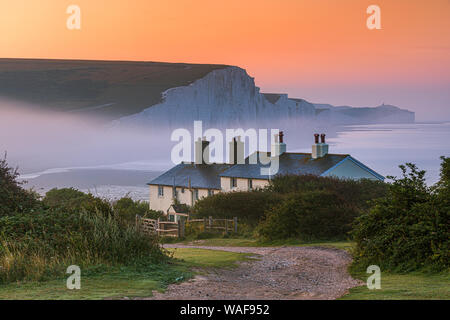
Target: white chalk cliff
{"x": 228, "y": 97}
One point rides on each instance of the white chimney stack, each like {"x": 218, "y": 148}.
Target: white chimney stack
{"x": 236, "y": 151}
{"x": 279, "y": 147}
{"x": 319, "y": 150}
{"x": 201, "y": 151}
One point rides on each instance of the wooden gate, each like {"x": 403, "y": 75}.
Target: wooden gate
{"x": 160, "y": 228}
{"x": 177, "y": 229}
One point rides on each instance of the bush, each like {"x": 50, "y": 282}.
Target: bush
{"x": 249, "y": 207}
{"x": 357, "y": 192}
{"x": 42, "y": 245}
{"x": 408, "y": 228}
{"x": 309, "y": 215}
{"x": 72, "y": 200}
{"x": 13, "y": 198}
{"x": 126, "y": 210}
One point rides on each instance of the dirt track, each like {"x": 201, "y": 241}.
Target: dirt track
{"x": 277, "y": 273}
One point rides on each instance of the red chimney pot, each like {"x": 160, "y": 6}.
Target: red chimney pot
{"x": 316, "y": 138}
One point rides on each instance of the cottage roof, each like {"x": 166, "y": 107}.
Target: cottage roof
{"x": 289, "y": 163}
{"x": 205, "y": 176}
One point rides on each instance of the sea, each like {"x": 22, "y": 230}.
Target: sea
{"x": 382, "y": 147}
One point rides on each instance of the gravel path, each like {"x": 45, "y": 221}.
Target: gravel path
{"x": 276, "y": 273}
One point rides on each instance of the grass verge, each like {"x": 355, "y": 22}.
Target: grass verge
{"x": 116, "y": 283}
{"x": 410, "y": 286}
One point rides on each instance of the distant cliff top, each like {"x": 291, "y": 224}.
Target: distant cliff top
{"x": 110, "y": 89}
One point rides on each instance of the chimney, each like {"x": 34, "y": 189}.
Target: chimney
{"x": 279, "y": 147}
{"x": 319, "y": 150}
{"x": 236, "y": 151}
{"x": 201, "y": 151}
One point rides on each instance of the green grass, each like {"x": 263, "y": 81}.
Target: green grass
{"x": 420, "y": 286}
{"x": 116, "y": 283}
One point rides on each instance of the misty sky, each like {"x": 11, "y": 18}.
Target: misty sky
{"x": 319, "y": 50}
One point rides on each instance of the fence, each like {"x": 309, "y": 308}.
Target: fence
{"x": 178, "y": 229}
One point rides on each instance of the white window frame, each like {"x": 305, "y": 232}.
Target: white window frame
{"x": 160, "y": 191}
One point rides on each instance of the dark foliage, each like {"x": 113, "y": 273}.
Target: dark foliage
{"x": 249, "y": 207}
{"x": 309, "y": 215}
{"x": 356, "y": 192}
{"x": 72, "y": 200}
{"x": 408, "y": 229}
{"x": 126, "y": 210}
{"x": 13, "y": 198}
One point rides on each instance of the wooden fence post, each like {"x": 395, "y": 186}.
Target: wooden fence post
{"x": 157, "y": 227}
{"x": 137, "y": 222}
{"x": 204, "y": 224}
{"x": 210, "y": 223}
{"x": 181, "y": 226}
{"x": 226, "y": 226}
{"x": 235, "y": 224}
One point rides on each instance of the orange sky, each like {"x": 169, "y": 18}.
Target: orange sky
{"x": 320, "y": 50}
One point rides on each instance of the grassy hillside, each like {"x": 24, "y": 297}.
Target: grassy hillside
{"x": 106, "y": 88}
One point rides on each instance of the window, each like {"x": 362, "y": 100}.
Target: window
{"x": 174, "y": 193}
{"x": 250, "y": 184}
{"x": 233, "y": 182}
{"x": 171, "y": 218}
{"x": 210, "y": 192}
{"x": 160, "y": 191}
{"x": 182, "y": 190}
{"x": 196, "y": 194}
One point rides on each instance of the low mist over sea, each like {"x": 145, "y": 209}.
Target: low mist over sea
{"x": 381, "y": 147}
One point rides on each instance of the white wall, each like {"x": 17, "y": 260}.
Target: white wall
{"x": 242, "y": 184}
{"x": 162, "y": 203}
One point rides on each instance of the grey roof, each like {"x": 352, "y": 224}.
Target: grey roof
{"x": 200, "y": 175}
{"x": 289, "y": 163}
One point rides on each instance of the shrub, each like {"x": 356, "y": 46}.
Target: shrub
{"x": 13, "y": 198}
{"x": 357, "y": 192}
{"x": 72, "y": 200}
{"x": 249, "y": 207}
{"x": 309, "y": 215}
{"x": 126, "y": 210}
{"x": 408, "y": 228}
{"x": 42, "y": 245}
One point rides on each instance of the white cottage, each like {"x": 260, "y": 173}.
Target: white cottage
{"x": 189, "y": 182}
